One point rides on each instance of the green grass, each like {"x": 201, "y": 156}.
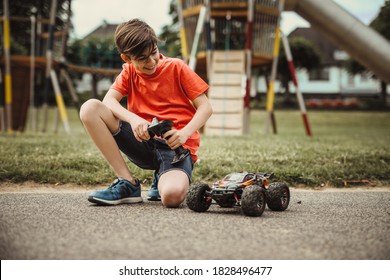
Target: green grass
{"x": 345, "y": 145}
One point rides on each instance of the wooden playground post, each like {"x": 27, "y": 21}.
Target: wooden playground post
{"x": 271, "y": 90}
{"x": 49, "y": 58}
{"x": 291, "y": 66}
{"x": 51, "y": 76}
{"x": 208, "y": 38}
{"x": 33, "y": 108}
{"x": 2, "y": 115}
{"x": 198, "y": 32}
{"x": 60, "y": 100}
{"x": 248, "y": 51}
{"x": 64, "y": 76}
{"x": 68, "y": 81}
{"x": 8, "y": 78}
{"x": 271, "y": 87}
{"x": 183, "y": 39}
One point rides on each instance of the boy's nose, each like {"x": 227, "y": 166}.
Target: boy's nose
{"x": 150, "y": 60}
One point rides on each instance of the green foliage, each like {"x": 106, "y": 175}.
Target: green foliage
{"x": 170, "y": 45}
{"x": 345, "y": 145}
{"x": 382, "y": 22}
{"x": 306, "y": 55}
{"x": 354, "y": 67}
{"x": 100, "y": 53}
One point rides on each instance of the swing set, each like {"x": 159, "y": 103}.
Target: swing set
{"x": 29, "y": 73}
{"x": 239, "y": 36}
{"x": 42, "y": 72}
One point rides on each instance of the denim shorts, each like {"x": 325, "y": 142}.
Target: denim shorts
{"x": 153, "y": 154}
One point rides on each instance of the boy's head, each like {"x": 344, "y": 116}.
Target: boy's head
{"x": 135, "y": 37}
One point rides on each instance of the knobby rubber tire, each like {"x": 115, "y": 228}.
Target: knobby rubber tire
{"x": 278, "y": 196}
{"x": 253, "y": 201}
{"x": 197, "y": 199}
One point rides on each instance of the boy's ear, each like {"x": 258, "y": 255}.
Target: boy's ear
{"x": 125, "y": 58}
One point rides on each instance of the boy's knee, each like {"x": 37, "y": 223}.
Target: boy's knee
{"x": 88, "y": 108}
{"x": 173, "y": 197}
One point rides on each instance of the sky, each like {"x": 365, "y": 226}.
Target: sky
{"x": 89, "y": 14}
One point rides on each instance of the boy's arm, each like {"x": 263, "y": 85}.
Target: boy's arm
{"x": 138, "y": 124}
{"x": 203, "y": 113}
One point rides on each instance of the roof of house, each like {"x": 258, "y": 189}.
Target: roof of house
{"x": 104, "y": 31}
{"x": 325, "y": 46}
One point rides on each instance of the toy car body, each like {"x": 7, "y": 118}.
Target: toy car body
{"x": 251, "y": 191}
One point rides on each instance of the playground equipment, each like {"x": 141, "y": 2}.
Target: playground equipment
{"x": 291, "y": 66}
{"x": 347, "y": 32}
{"x": 242, "y": 35}
{"x": 17, "y": 97}
{"x": 46, "y": 68}
{"x": 8, "y": 79}
{"x": 238, "y": 37}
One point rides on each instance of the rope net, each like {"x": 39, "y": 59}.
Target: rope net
{"x": 263, "y": 32}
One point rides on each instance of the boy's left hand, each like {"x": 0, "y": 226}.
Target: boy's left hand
{"x": 175, "y": 138}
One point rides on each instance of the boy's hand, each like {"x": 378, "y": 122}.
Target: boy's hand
{"x": 175, "y": 138}
{"x": 140, "y": 129}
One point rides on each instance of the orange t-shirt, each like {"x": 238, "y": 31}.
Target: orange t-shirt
{"x": 166, "y": 94}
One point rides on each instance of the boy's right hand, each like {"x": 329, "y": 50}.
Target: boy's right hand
{"x": 140, "y": 128}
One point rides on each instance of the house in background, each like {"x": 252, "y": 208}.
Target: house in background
{"x": 331, "y": 80}
{"x": 103, "y": 32}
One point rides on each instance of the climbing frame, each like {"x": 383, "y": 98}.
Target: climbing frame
{"x": 227, "y": 88}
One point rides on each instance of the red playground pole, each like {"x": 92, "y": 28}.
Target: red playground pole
{"x": 291, "y": 66}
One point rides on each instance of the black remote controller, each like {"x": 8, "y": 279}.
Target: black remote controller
{"x": 159, "y": 128}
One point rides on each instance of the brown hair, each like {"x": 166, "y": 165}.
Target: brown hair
{"x": 134, "y": 37}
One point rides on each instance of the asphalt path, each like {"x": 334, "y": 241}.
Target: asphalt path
{"x": 328, "y": 224}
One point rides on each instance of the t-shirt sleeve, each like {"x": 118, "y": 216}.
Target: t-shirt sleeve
{"x": 121, "y": 83}
{"x": 192, "y": 84}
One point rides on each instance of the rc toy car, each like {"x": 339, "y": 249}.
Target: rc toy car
{"x": 251, "y": 191}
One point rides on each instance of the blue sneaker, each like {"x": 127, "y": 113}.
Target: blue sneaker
{"x": 153, "y": 193}
{"x": 120, "y": 191}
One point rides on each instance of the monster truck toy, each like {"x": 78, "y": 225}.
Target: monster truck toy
{"x": 251, "y": 191}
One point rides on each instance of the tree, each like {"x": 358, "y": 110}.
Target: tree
{"x": 306, "y": 55}
{"x": 170, "y": 44}
{"x": 94, "y": 52}
{"x": 382, "y": 22}
{"x": 382, "y": 25}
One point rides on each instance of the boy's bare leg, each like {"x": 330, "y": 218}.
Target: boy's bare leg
{"x": 100, "y": 124}
{"x": 173, "y": 186}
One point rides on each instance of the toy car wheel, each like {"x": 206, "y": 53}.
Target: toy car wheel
{"x": 278, "y": 196}
{"x": 197, "y": 198}
{"x": 253, "y": 201}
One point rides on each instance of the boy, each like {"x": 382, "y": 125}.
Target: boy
{"x": 155, "y": 86}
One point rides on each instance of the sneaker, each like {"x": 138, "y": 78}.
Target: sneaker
{"x": 120, "y": 191}
{"x": 153, "y": 193}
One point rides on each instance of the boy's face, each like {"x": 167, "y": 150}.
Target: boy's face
{"x": 147, "y": 62}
